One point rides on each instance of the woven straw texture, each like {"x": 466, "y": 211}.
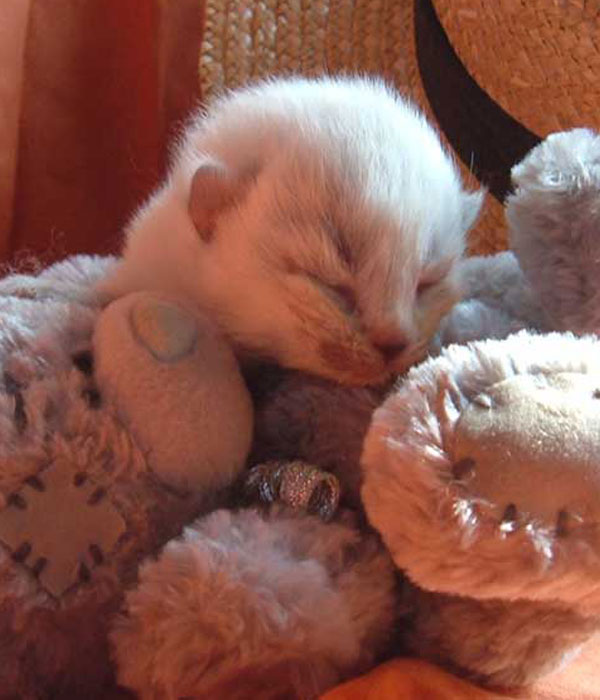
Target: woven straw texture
{"x": 538, "y": 59}
{"x": 245, "y": 39}
{"x": 250, "y": 39}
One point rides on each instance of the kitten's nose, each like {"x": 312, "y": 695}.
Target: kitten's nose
{"x": 390, "y": 349}
{"x": 389, "y": 342}
{"x": 388, "y": 338}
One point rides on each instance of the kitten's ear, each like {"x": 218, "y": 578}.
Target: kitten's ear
{"x": 213, "y": 189}
{"x": 472, "y": 202}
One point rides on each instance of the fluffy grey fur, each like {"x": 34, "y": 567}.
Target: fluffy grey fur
{"x": 449, "y": 539}
{"x": 553, "y": 217}
{"x": 56, "y": 418}
{"x": 516, "y": 641}
{"x": 319, "y": 422}
{"x": 549, "y": 280}
{"x": 245, "y": 605}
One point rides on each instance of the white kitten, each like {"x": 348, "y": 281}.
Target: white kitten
{"x": 318, "y": 221}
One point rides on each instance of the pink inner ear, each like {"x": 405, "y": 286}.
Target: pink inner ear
{"x": 213, "y": 190}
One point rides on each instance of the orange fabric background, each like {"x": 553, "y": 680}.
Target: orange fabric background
{"x": 412, "y": 679}
{"x": 104, "y": 85}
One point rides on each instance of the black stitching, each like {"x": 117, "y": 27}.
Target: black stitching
{"x": 510, "y": 513}
{"x": 22, "y": 552}
{"x": 84, "y": 573}
{"x": 96, "y": 554}
{"x": 562, "y": 524}
{"x": 11, "y": 385}
{"x": 16, "y": 500}
{"x": 92, "y": 396}
{"x": 36, "y": 483}
{"x": 79, "y": 479}
{"x": 39, "y": 566}
{"x": 20, "y": 415}
{"x": 84, "y": 361}
{"x": 96, "y": 496}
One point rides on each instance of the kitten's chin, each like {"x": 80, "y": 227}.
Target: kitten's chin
{"x": 345, "y": 366}
{"x": 349, "y": 365}
{"x": 356, "y": 378}
{"x": 410, "y": 357}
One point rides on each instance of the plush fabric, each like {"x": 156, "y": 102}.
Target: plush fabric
{"x": 90, "y": 93}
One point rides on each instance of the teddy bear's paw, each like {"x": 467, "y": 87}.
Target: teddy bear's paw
{"x": 565, "y": 161}
{"x": 482, "y": 471}
{"x": 246, "y": 605}
{"x": 165, "y": 330}
{"x": 61, "y": 552}
{"x": 175, "y": 381}
{"x": 553, "y": 219}
{"x": 530, "y": 445}
{"x": 492, "y": 642}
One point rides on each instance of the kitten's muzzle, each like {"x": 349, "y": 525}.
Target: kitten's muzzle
{"x": 388, "y": 340}
{"x": 390, "y": 351}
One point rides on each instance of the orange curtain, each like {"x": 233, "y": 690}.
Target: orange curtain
{"x": 94, "y": 89}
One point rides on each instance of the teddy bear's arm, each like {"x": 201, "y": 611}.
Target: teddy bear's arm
{"x": 497, "y": 301}
{"x": 74, "y": 279}
{"x": 550, "y": 278}
{"x": 480, "y": 471}
{"x": 554, "y": 221}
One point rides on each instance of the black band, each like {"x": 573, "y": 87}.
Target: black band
{"x": 485, "y": 137}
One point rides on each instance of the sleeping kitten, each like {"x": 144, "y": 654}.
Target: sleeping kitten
{"x": 318, "y": 221}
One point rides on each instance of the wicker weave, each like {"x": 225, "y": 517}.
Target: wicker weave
{"x": 250, "y": 39}
{"x": 246, "y": 39}
{"x": 538, "y": 59}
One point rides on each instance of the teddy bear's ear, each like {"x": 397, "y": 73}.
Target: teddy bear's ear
{"x": 472, "y": 202}
{"x": 214, "y": 188}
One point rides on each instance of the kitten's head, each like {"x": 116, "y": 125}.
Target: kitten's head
{"x": 319, "y": 222}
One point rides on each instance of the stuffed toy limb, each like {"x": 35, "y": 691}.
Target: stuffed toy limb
{"x": 548, "y": 281}
{"x": 118, "y": 424}
{"x": 482, "y": 468}
{"x": 481, "y": 474}
{"x": 248, "y": 604}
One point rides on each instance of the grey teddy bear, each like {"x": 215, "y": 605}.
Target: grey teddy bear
{"x": 468, "y": 523}
{"x": 479, "y": 472}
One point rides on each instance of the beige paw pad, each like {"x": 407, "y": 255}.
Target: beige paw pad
{"x": 168, "y": 332}
{"x": 60, "y": 527}
{"x": 531, "y": 445}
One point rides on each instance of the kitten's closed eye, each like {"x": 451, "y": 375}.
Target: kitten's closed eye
{"x": 342, "y": 295}
{"x": 425, "y": 285}
{"x": 432, "y": 276}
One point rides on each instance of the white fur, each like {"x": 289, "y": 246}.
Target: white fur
{"x": 341, "y": 184}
